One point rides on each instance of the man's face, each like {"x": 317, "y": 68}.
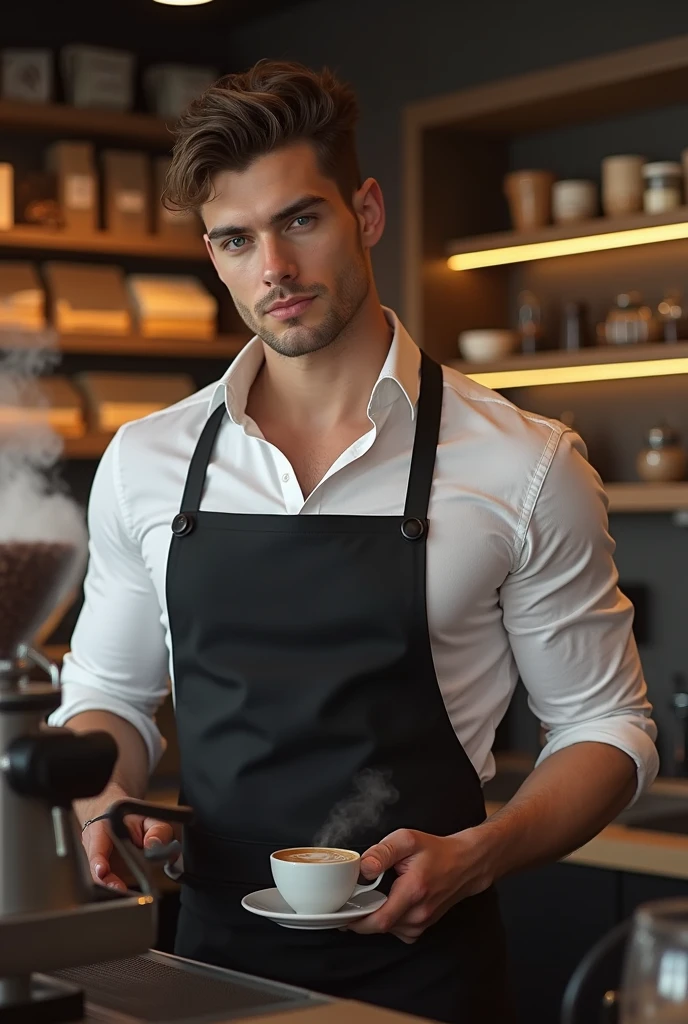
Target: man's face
{"x": 289, "y": 249}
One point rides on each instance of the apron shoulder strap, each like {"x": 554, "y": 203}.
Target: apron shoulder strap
{"x": 428, "y": 416}
{"x": 195, "y": 479}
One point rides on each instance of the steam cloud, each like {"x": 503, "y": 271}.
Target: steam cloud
{"x": 34, "y": 505}
{"x": 363, "y": 809}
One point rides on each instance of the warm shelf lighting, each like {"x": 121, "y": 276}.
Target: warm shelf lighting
{"x": 183, "y": 3}
{"x": 568, "y": 246}
{"x": 577, "y": 374}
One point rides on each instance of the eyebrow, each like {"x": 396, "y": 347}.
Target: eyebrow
{"x": 293, "y": 210}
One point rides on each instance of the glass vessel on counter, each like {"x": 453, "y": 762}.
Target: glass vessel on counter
{"x": 628, "y": 322}
{"x": 664, "y": 459}
{"x": 654, "y": 985}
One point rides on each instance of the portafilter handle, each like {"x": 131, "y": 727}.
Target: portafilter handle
{"x": 135, "y": 859}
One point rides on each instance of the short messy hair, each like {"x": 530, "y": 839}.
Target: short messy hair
{"x": 247, "y": 115}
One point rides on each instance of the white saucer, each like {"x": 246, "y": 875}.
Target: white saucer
{"x": 268, "y": 903}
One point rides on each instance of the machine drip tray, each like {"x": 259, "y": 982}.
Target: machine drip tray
{"x": 164, "y": 989}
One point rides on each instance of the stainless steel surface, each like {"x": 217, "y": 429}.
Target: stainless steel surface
{"x": 104, "y": 930}
{"x": 169, "y": 990}
{"x": 14, "y": 990}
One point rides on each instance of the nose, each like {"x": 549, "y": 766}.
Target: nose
{"x": 278, "y": 263}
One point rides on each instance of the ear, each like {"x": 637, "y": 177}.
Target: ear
{"x": 369, "y": 208}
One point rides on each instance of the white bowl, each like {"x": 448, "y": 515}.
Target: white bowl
{"x": 487, "y": 345}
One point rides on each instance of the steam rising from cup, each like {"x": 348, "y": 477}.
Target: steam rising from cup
{"x": 362, "y": 810}
{"x": 43, "y": 537}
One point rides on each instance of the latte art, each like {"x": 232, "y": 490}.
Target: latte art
{"x": 315, "y": 855}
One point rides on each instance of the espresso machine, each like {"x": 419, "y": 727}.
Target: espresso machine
{"x": 72, "y": 950}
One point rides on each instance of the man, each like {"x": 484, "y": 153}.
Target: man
{"x": 365, "y": 551}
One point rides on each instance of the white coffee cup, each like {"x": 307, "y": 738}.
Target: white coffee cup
{"x": 318, "y": 879}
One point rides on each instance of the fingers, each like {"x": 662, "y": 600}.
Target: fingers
{"x": 406, "y": 894}
{"x": 385, "y": 854}
{"x": 98, "y": 845}
{"x": 155, "y": 832}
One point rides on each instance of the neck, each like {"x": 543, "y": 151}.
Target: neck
{"x": 325, "y": 389}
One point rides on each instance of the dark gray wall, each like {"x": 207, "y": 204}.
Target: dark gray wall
{"x": 397, "y": 52}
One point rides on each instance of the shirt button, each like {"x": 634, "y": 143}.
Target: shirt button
{"x": 286, "y": 478}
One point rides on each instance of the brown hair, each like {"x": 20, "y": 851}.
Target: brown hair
{"x": 244, "y": 116}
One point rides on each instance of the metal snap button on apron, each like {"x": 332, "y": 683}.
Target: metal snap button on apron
{"x": 413, "y": 529}
{"x": 182, "y": 524}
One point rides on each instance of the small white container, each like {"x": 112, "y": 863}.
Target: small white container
{"x": 573, "y": 200}
{"x": 170, "y": 88}
{"x": 663, "y": 187}
{"x": 98, "y": 77}
{"x": 27, "y": 75}
{"x": 487, "y": 345}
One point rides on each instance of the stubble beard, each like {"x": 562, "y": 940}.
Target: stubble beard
{"x": 352, "y": 286}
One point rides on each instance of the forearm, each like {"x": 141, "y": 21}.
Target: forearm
{"x": 131, "y": 770}
{"x": 566, "y": 801}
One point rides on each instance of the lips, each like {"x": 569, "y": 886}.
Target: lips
{"x": 295, "y": 308}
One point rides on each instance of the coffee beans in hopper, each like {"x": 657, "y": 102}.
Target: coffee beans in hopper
{"x": 30, "y": 573}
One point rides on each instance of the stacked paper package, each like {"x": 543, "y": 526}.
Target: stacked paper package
{"x": 173, "y": 306}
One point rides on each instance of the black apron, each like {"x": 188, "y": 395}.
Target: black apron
{"x": 301, "y": 659}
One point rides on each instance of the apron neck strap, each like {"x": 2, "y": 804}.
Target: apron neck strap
{"x": 193, "y": 491}
{"x": 428, "y": 416}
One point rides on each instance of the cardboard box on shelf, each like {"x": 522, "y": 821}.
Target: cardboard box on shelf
{"x": 173, "y": 306}
{"x": 22, "y": 297}
{"x": 126, "y": 179}
{"x": 27, "y": 75}
{"x": 117, "y": 398}
{"x": 88, "y": 298}
{"x": 77, "y": 187}
{"x": 172, "y": 224}
{"x": 98, "y": 77}
{"x": 49, "y": 402}
{"x": 6, "y": 197}
{"x": 171, "y": 87}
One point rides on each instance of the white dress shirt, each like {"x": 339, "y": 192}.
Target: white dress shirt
{"x": 520, "y": 571}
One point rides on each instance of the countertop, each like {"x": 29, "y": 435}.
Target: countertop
{"x": 618, "y": 847}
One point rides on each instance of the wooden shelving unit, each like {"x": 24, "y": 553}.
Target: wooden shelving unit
{"x": 58, "y": 118}
{"x": 151, "y": 246}
{"x": 639, "y": 497}
{"x": 600, "y": 354}
{"x": 457, "y": 149}
{"x": 55, "y": 652}
{"x": 676, "y": 220}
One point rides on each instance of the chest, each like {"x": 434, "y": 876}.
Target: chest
{"x": 311, "y": 455}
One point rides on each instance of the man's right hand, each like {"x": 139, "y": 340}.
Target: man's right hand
{"x": 106, "y": 865}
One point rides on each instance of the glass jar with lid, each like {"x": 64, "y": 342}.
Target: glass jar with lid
{"x": 628, "y": 322}
{"x": 663, "y": 459}
{"x": 663, "y": 187}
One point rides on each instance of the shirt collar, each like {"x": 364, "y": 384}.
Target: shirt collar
{"x": 398, "y": 377}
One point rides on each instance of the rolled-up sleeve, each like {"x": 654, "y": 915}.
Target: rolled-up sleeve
{"x": 118, "y": 657}
{"x": 570, "y": 627}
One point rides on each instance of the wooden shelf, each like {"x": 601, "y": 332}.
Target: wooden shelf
{"x": 225, "y": 346}
{"x": 599, "y": 354}
{"x": 26, "y": 237}
{"x": 676, "y": 220}
{"x": 639, "y": 497}
{"x": 55, "y": 652}
{"x": 58, "y": 119}
{"x": 91, "y": 446}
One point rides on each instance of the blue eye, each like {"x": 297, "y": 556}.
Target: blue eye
{"x": 304, "y": 217}
{"x": 238, "y": 238}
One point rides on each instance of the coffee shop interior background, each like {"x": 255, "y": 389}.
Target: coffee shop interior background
{"x": 441, "y": 164}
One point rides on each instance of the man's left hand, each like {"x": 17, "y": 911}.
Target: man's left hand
{"x": 435, "y": 872}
